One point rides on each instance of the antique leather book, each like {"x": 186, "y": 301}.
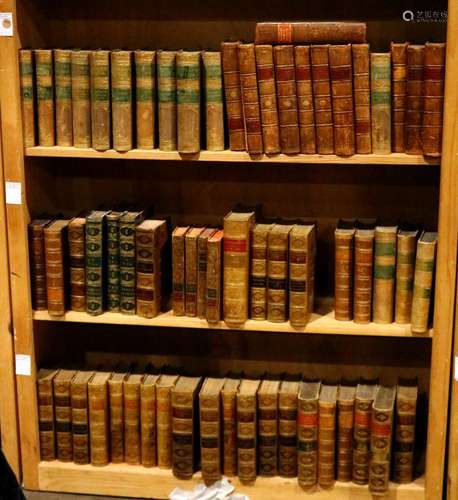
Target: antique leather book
{"x": 100, "y": 99}
{"x": 211, "y": 446}
{"x": 268, "y": 98}
{"x": 63, "y": 414}
{"x": 258, "y": 271}
{"x": 363, "y": 270}
{"x": 405, "y": 269}
{"x": 179, "y": 270}
{"x": 327, "y": 404}
{"x": 214, "y": 102}
{"x": 287, "y": 427}
{"x": 148, "y": 420}
{"x": 423, "y": 281}
{"x": 188, "y": 101}
{"x": 268, "y": 427}
{"x": 287, "y": 99}
{"x": 381, "y": 102}
{"x": 233, "y": 96}
{"x": 344, "y": 246}
{"x": 132, "y": 437}
{"x": 56, "y": 241}
{"x": 76, "y": 250}
{"x": 433, "y": 103}
{"x": 27, "y": 96}
{"x": 319, "y": 57}
{"x": 121, "y": 99}
{"x": 99, "y": 424}
{"x": 414, "y": 99}
{"x": 164, "y": 419}
{"x": 63, "y": 90}
{"x": 116, "y": 404}
{"x": 192, "y": 269}
{"x": 250, "y": 98}
{"x": 345, "y": 424}
{"x": 384, "y": 273}
{"x": 202, "y": 242}
{"x": 311, "y": 32}
{"x": 167, "y": 99}
{"x": 80, "y": 416}
{"x": 399, "y": 90}
{"x": 38, "y": 263}
{"x": 46, "y": 425}
{"x": 237, "y": 228}
{"x": 362, "y": 97}
{"x": 81, "y": 102}
{"x": 213, "y": 293}
{"x": 145, "y": 97}
{"x": 340, "y": 65}
{"x": 45, "y": 96}
{"x": 185, "y": 427}
{"x": 229, "y": 424}
{"x": 305, "y": 106}
{"x": 113, "y": 269}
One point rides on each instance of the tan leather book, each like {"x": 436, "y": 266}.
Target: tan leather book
{"x": 258, "y": 271}
{"x": 148, "y": 420}
{"x": 179, "y": 270}
{"x": 268, "y": 427}
{"x": 344, "y": 237}
{"x": 63, "y": 90}
{"x": 405, "y": 269}
{"x": 214, "y": 102}
{"x": 145, "y": 97}
{"x": 80, "y": 416}
{"x": 327, "y": 405}
{"x": 268, "y": 98}
{"x": 99, "y": 424}
{"x": 116, "y": 404}
{"x": 191, "y": 239}
{"x": 202, "y": 243}
{"x": 26, "y": 73}
{"x": 164, "y": 420}
{"x": 45, "y": 97}
{"x": 381, "y": 102}
{"x": 167, "y": 99}
{"x": 363, "y": 274}
{"x": 345, "y": 424}
{"x": 229, "y": 424}
{"x": 305, "y": 99}
{"x": 399, "y": 90}
{"x": 414, "y": 99}
{"x": 132, "y": 438}
{"x": 362, "y": 97}
{"x": 287, "y": 428}
{"x": 63, "y": 414}
{"x": 81, "y": 102}
{"x": 46, "y": 425}
{"x": 76, "y": 250}
{"x": 121, "y": 99}
{"x": 100, "y": 99}
{"x": 38, "y": 263}
{"x": 214, "y": 289}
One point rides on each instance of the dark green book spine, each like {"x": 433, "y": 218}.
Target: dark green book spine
{"x": 113, "y": 303}
{"x": 127, "y": 264}
{"x": 94, "y": 265}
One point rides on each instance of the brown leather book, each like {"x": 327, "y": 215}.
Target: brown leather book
{"x": 100, "y": 99}
{"x": 364, "y": 263}
{"x": 268, "y": 98}
{"x": 145, "y": 97}
{"x": 268, "y": 427}
{"x": 345, "y": 424}
{"x": 132, "y": 439}
{"x": 344, "y": 245}
{"x": 148, "y": 420}
{"x": 433, "y": 104}
{"x": 164, "y": 420}
{"x": 399, "y": 89}
{"x": 99, "y": 418}
{"x": 327, "y": 405}
{"x": 81, "y": 102}
{"x": 287, "y": 99}
{"x": 179, "y": 270}
{"x": 258, "y": 271}
{"x": 381, "y": 102}
{"x": 38, "y": 263}
{"x": 63, "y": 414}
{"x": 63, "y": 90}
{"x": 319, "y": 56}
{"x": 45, "y": 97}
{"x": 116, "y": 404}
{"x": 405, "y": 270}
{"x": 214, "y": 101}
{"x": 46, "y": 425}
{"x": 121, "y": 99}
{"x": 76, "y": 249}
{"x": 229, "y": 429}
{"x": 414, "y": 99}
{"x": 214, "y": 289}
{"x": 287, "y": 428}
{"x": 192, "y": 269}
{"x": 362, "y": 97}
{"x": 250, "y": 98}
{"x": 167, "y": 99}
{"x": 26, "y": 72}
{"x": 202, "y": 243}
{"x": 80, "y": 417}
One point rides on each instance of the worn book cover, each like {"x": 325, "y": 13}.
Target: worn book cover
{"x": 258, "y": 271}
{"x": 214, "y": 102}
{"x": 399, "y": 90}
{"x": 229, "y": 424}
{"x": 116, "y": 405}
{"x": 287, "y": 427}
{"x": 63, "y": 90}
{"x": 167, "y": 99}
{"x": 81, "y": 101}
{"x": 202, "y": 245}
{"x": 38, "y": 263}
{"x": 76, "y": 249}
{"x": 268, "y": 427}
{"x": 121, "y": 99}
{"x": 26, "y": 73}
{"x": 362, "y": 97}
{"x": 45, "y": 96}
{"x": 344, "y": 237}
{"x": 80, "y": 416}
{"x": 46, "y": 425}
{"x": 164, "y": 419}
{"x": 132, "y": 437}
{"x": 99, "y": 423}
{"x": 363, "y": 271}
{"x": 327, "y": 405}
{"x": 305, "y": 105}
{"x": 145, "y": 97}
{"x": 381, "y": 102}
{"x": 414, "y": 99}
{"x": 345, "y": 425}
{"x": 100, "y": 99}
{"x": 214, "y": 287}
{"x": 179, "y": 270}
{"x": 191, "y": 258}
{"x": 63, "y": 414}
{"x": 148, "y": 420}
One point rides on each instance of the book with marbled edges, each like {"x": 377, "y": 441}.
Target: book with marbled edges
{"x": 405, "y": 269}
{"x": 116, "y": 405}
{"x": 26, "y": 72}
{"x": 305, "y": 105}
{"x": 63, "y": 414}
{"x": 414, "y": 99}
{"x": 213, "y": 294}
{"x": 63, "y": 90}
{"x": 80, "y": 417}
{"x": 167, "y": 99}
{"x": 202, "y": 245}
{"x": 214, "y": 102}
{"x": 145, "y": 97}
{"x": 45, "y": 96}
{"x": 113, "y": 269}
{"x": 76, "y": 249}
{"x": 327, "y": 405}
{"x": 164, "y": 420}
{"x": 399, "y": 89}
{"x": 38, "y": 263}
{"x": 191, "y": 274}
{"x": 179, "y": 270}
{"x": 268, "y": 427}
{"x": 344, "y": 237}
{"x": 99, "y": 423}
{"x": 229, "y": 425}
{"x": 100, "y": 99}
{"x": 46, "y": 425}
{"x": 81, "y": 100}
{"x": 287, "y": 428}
{"x": 121, "y": 99}
{"x": 362, "y": 97}
{"x": 381, "y": 102}
{"x": 148, "y": 420}
{"x": 345, "y": 424}
{"x": 258, "y": 271}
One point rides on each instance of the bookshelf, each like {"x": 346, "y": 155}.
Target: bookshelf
{"x": 68, "y": 179}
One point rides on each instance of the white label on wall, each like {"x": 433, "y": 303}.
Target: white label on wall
{"x": 6, "y": 24}
{"x": 13, "y": 193}
{"x": 23, "y": 364}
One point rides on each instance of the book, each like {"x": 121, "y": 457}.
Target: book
{"x": 164, "y": 419}
{"x": 305, "y": 106}
{"x": 185, "y": 428}
{"x": 268, "y": 427}
{"x": 247, "y": 463}
{"x": 384, "y": 273}
{"x": 362, "y": 97}
{"x": 63, "y": 414}
{"x": 381, "y": 102}
{"x": 250, "y": 98}
{"x": 55, "y": 238}
{"x": 121, "y": 99}
{"x": 237, "y": 228}
{"x": 423, "y": 281}
{"x": 288, "y": 117}
{"x": 258, "y": 271}
{"x": 214, "y": 277}
{"x": 192, "y": 269}
{"x": 80, "y": 416}
{"x": 202, "y": 243}
{"x": 179, "y": 270}
{"x": 319, "y": 58}
{"x": 311, "y": 32}
{"x": 45, "y": 96}
{"x": 38, "y": 263}
{"x": 99, "y": 418}
{"x": 188, "y": 101}
{"x": 345, "y": 425}
{"x": 167, "y": 99}
{"x": 414, "y": 99}
{"x": 46, "y": 426}
{"x": 344, "y": 237}
{"x": 26, "y": 72}
{"x": 229, "y": 424}
{"x": 76, "y": 250}
{"x": 399, "y": 89}
{"x": 214, "y": 102}
{"x": 100, "y": 99}
{"x": 145, "y": 97}
{"x": 433, "y": 99}
{"x": 113, "y": 264}
{"x": 287, "y": 427}
{"x": 210, "y": 429}
{"x": 363, "y": 270}
{"x": 327, "y": 404}
{"x": 116, "y": 405}
{"x": 64, "y": 89}
{"x": 81, "y": 102}
{"x": 148, "y": 420}
{"x": 132, "y": 437}
{"x": 340, "y": 66}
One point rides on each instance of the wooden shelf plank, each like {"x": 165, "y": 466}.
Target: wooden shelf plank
{"x": 137, "y": 481}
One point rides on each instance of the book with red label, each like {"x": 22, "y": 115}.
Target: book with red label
{"x": 268, "y": 427}
{"x": 287, "y": 427}
{"x": 305, "y": 99}
{"x": 344, "y": 245}
{"x": 191, "y": 259}
{"x": 38, "y": 263}
{"x": 229, "y": 424}
{"x": 179, "y": 270}
{"x": 258, "y": 272}
{"x": 362, "y": 97}
{"x": 80, "y": 416}
{"x": 414, "y": 99}
{"x": 398, "y": 101}
{"x": 214, "y": 287}
{"x": 202, "y": 244}
{"x": 46, "y": 424}
{"x": 345, "y": 424}
{"x": 63, "y": 414}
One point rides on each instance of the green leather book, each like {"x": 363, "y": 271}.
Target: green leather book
{"x": 145, "y": 82}
{"x": 100, "y": 99}
{"x": 114, "y": 294}
{"x": 63, "y": 88}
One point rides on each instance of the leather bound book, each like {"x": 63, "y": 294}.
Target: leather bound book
{"x": 121, "y": 99}
{"x": 99, "y": 424}
{"x": 132, "y": 438}
{"x": 46, "y": 426}
{"x": 202, "y": 242}
{"x": 179, "y": 270}
{"x": 188, "y": 101}
{"x": 113, "y": 266}
{"x": 344, "y": 244}
{"x": 81, "y": 102}
{"x": 268, "y": 98}
{"x": 345, "y": 424}
{"x": 63, "y": 414}
{"x": 76, "y": 249}
{"x": 27, "y": 96}
{"x": 164, "y": 420}
{"x": 268, "y": 427}
{"x": 116, "y": 403}
{"x": 285, "y": 75}
{"x": 80, "y": 417}
{"x": 405, "y": 269}
{"x": 287, "y": 428}
{"x": 381, "y": 102}
{"x": 423, "y": 281}
{"x": 214, "y": 101}
{"x": 433, "y": 104}
{"x": 145, "y": 97}
{"x": 229, "y": 425}
{"x": 148, "y": 420}
{"x": 192, "y": 269}
{"x": 311, "y": 32}
{"x": 45, "y": 97}
{"x": 211, "y": 446}
{"x": 414, "y": 99}
{"x": 258, "y": 276}
{"x": 305, "y": 99}
{"x": 100, "y": 99}
{"x": 250, "y": 98}
{"x": 362, "y": 97}
{"x": 399, "y": 89}
{"x": 55, "y": 236}
{"x": 237, "y": 229}
{"x": 167, "y": 99}
{"x": 38, "y": 263}
{"x": 247, "y": 463}
{"x": 63, "y": 90}
{"x": 384, "y": 273}
{"x": 185, "y": 427}
{"x": 363, "y": 270}
{"x": 213, "y": 293}
{"x": 327, "y": 435}
{"x": 340, "y": 64}
{"x": 319, "y": 57}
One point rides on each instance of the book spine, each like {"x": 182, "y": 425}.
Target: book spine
{"x": 132, "y": 439}
{"x": 63, "y": 416}
{"x": 362, "y": 98}
{"x": 164, "y": 427}
{"x": 63, "y": 90}
{"x": 81, "y": 101}
{"x": 46, "y": 420}
{"x": 182, "y": 435}
{"x": 210, "y": 440}
{"x": 27, "y": 97}
{"x": 287, "y": 435}
{"x": 246, "y": 438}
{"x": 148, "y": 269}
{"x": 121, "y": 99}
{"x": 179, "y": 275}
{"x": 307, "y": 444}
{"x": 381, "y": 103}
{"x": 80, "y": 423}
{"x": 214, "y": 107}
{"x": 76, "y": 246}
{"x": 145, "y": 96}
{"x": 399, "y": 89}
{"x": 45, "y": 97}
{"x": 268, "y": 434}
{"x": 326, "y": 444}
{"x": 229, "y": 402}
{"x": 258, "y": 279}
{"x": 345, "y": 441}
{"x": 94, "y": 267}
{"x": 201, "y": 277}
{"x": 148, "y": 425}
{"x": 405, "y": 269}
{"x": 364, "y": 258}
{"x": 299, "y": 280}
{"x": 55, "y": 271}
{"x": 213, "y": 290}
{"x": 404, "y": 440}
{"x": 167, "y": 100}
{"x": 98, "y": 424}
{"x": 361, "y": 442}
{"x": 344, "y": 277}
{"x": 113, "y": 296}
{"x": 100, "y": 99}
{"x": 277, "y": 277}
{"x": 319, "y": 56}
{"x": 414, "y": 99}
{"x": 191, "y": 276}
{"x": 127, "y": 266}
{"x": 116, "y": 421}
{"x": 268, "y": 99}
{"x": 38, "y": 268}
{"x": 384, "y": 277}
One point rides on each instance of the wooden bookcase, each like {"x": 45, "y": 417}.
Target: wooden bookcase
{"x": 202, "y": 188}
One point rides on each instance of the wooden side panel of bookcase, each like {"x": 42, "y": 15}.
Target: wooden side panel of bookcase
{"x": 452, "y": 473}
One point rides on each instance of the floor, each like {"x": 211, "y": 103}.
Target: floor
{"x": 35, "y": 495}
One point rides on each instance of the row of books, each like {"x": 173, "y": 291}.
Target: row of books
{"x": 241, "y": 426}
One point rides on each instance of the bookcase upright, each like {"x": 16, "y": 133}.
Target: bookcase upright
{"x": 202, "y": 188}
